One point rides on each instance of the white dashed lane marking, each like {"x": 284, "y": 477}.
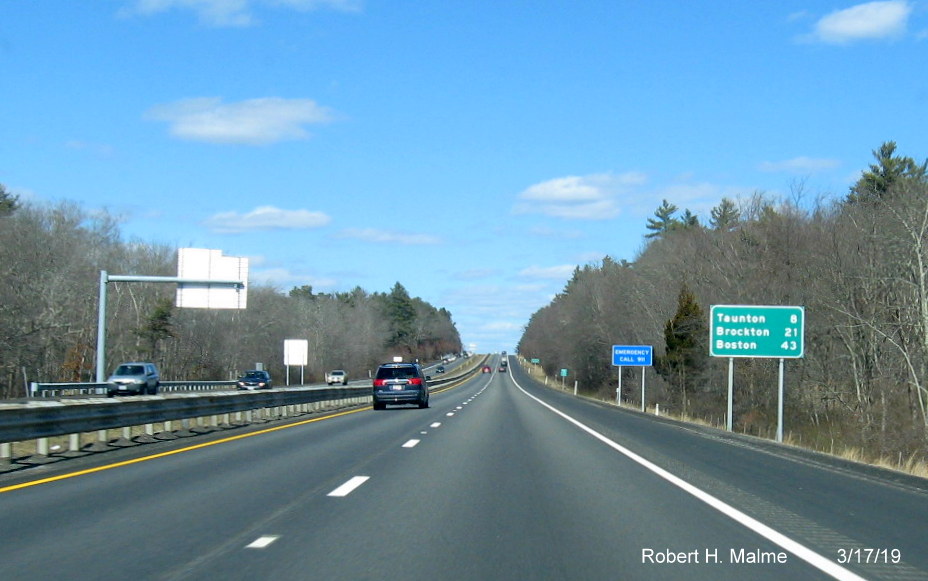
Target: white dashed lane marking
{"x": 262, "y": 542}
{"x": 435, "y": 425}
{"x": 411, "y": 444}
{"x": 348, "y": 487}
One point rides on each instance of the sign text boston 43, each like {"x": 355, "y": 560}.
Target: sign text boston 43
{"x": 756, "y": 331}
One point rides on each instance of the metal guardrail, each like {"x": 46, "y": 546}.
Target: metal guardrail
{"x": 56, "y": 418}
{"x": 51, "y": 390}
{"x": 41, "y": 419}
{"x": 37, "y": 389}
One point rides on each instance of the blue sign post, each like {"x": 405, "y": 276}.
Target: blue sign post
{"x": 637, "y": 355}
{"x": 634, "y": 355}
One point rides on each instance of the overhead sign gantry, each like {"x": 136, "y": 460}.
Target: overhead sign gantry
{"x": 205, "y": 279}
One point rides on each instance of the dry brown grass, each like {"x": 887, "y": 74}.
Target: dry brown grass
{"x": 913, "y": 465}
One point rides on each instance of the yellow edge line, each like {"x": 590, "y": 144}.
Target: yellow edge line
{"x": 172, "y": 452}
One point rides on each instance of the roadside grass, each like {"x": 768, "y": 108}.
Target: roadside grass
{"x": 913, "y": 465}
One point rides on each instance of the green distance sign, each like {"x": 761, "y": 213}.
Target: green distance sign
{"x": 756, "y": 331}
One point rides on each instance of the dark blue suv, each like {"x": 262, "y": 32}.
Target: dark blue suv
{"x": 400, "y": 383}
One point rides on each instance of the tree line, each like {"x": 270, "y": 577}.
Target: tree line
{"x": 857, "y": 263}
{"x": 50, "y": 262}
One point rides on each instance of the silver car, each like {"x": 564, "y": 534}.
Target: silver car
{"x": 136, "y": 377}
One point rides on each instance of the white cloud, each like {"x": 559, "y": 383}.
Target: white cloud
{"x": 96, "y": 149}
{"x": 379, "y": 236}
{"x": 251, "y": 122}
{"x": 561, "y": 272}
{"x": 305, "y": 5}
{"x": 502, "y": 326}
{"x": 232, "y": 13}
{"x": 210, "y": 12}
{"x": 800, "y": 165}
{"x": 698, "y": 197}
{"x": 589, "y": 197}
{"x": 476, "y": 273}
{"x": 548, "y": 232}
{"x": 286, "y": 278}
{"x": 869, "y": 21}
{"x": 266, "y": 218}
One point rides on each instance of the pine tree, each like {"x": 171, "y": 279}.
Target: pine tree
{"x": 889, "y": 171}
{"x": 157, "y": 327}
{"x": 684, "y": 336}
{"x": 664, "y": 221}
{"x": 401, "y": 315}
{"x": 8, "y": 202}
{"x": 724, "y": 217}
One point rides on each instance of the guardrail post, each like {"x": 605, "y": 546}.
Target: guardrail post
{"x": 41, "y": 446}
{"x": 149, "y": 429}
{"x": 6, "y": 453}
{"x": 74, "y": 442}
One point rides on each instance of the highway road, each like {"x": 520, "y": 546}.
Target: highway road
{"x": 499, "y": 479}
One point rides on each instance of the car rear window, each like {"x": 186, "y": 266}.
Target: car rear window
{"x": 396, "y": 372}
{"x": 130, "y": 370}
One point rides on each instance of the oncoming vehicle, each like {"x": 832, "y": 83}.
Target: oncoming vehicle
{"x": 254, "y": 379}
{"x": 400, "y": 383}
{"x": 337, "y": 376}
{"x": 440, "y": 369}
{"x": 137, "y": 377}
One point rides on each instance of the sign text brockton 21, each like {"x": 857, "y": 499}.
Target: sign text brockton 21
{"x": 756, "y": 331}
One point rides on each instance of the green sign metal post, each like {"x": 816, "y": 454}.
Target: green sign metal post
{"x": 775, "y": 332}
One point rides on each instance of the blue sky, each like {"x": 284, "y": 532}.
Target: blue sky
{"x": 474, "y": 151}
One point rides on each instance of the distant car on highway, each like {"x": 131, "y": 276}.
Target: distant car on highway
{"x": 337, "y": 376}
{"x": 254, "y": 379}
{"x": 486, "y": 369}
{"x": 502, "y": 369}
{"x": 400, "y": 383}
{"x": 440, "y": 369}
{"x": 137, "y": 377}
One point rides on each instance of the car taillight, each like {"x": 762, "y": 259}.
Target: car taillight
{"x": 415, "y": 381}
{"x": 379, "y": 383}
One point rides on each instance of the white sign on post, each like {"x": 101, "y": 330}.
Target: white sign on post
{"x": 206, "y": 264}
{"x": 296, "y": 352}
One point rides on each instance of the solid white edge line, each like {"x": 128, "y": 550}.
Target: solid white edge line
{"x": 348, "y": 487}
{"x": 262, "y": 542}
{"x": 806, "y": 554}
